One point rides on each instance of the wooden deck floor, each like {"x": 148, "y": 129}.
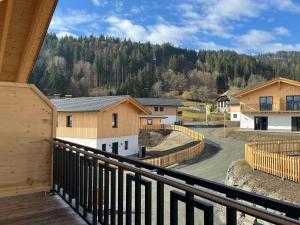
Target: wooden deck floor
{"x": 37, "y": 209}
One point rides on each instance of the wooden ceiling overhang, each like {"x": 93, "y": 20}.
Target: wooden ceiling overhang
{"x": 23, "y": 26}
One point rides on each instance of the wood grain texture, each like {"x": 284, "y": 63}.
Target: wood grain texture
{"x": 37, "y": 209}
{"x": 23, "y": 25}
{"x": 26, "y": 120}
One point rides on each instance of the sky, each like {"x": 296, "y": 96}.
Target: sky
{"x": 245, "y": 26}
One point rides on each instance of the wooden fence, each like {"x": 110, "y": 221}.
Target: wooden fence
{"x": 279, "y": 158}
{"x": 184, "y": 154}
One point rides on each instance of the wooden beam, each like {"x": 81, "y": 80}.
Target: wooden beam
{"x": 5, "y": 32}
{"x": 41, "y": 19}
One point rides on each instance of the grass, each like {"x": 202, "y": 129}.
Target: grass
{"x": 192, "y": 103}
{"x": 192, "y": 115}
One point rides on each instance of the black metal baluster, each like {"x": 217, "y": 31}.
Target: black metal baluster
{"x": 90, "y": 189}
{"x": 81, "y": 179}
{"x": 230, "y": 214}
{"x": 138, "y": 200}
{"x": 70, "y": 175}
{"x": 100, "y": 193}
{"x": 106, "y": 194}
{"x": 64, "y": 173}
{"x": 160, "y": 202}
{"x": 189, "y": 209}
{"x": 120, "y": 195}
{"x": 128, "y": 201}
{"x": 173, "y": 210}
{"x": 95, "y": 186}
{"x": 77, "y": 194}
{"x": 113, "y": 197}
{"x": 85, "y": 186}
{"x": 148, "y": 200}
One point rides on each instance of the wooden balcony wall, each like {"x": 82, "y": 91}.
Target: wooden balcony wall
{"x": 27, "y": 118}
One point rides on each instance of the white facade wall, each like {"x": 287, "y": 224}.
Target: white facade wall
{"x": 171, "y": 119}
{"x": 238, "y": 116}
{"x": 133, "y": 146}
{"x": 282, "y": 121}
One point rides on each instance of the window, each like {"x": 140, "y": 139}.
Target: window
{"x": 104, "y": 147}
{"x": 156, "y": 108}
{"x": 126, "y": 145}
{"x": 114, "y": 120}
{"x": 266, "y": 103}
{"x": 69, "y": 121}
{"x": 149, "y": 122}
{"x": 234, "y": 115}
{"x": 161, "y": 109}
{"x": 293, "y": 102}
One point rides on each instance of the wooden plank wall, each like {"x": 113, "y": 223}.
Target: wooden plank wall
{"x": 26, "y": 120}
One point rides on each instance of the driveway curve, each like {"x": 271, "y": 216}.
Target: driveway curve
{"x": 216, "y": 158}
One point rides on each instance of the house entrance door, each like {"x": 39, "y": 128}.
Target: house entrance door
{"x": 261, "y": 123}
{"x": 295, "y": 123}
{"x": 115, "y": 147}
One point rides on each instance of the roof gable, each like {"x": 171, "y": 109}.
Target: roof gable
{"x": 276, "y": 80}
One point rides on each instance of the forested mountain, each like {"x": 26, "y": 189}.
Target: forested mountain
{"x": 88, "y": 66}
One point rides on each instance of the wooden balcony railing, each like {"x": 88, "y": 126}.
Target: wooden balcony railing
{"x": 279, "y": 158}
{"x": 283, "y": 107}
{"x": 98, "y": 186}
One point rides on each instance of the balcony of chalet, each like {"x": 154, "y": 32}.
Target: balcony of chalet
{"x": 44, "y": 180}
{"x": 270, "y": 107}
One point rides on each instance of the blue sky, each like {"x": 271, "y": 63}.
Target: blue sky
{"x": 248, "y": 26}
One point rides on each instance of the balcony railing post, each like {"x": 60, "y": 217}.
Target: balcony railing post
{"x": 120, "y": 194}
{"x": 95, "y": 186}
{"x": 160, "y": 202}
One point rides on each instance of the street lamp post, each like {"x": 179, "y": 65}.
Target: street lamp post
{"x": 225, "y": 110}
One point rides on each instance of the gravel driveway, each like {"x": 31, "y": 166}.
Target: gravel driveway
{"x": 214, "y": 162}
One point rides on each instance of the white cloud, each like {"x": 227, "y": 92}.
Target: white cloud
{"x": 260, "y": 41}
{"x": 281, "y": 31}
{"x": 96, "y": 2}
{"x": 74, "y": 21}
{"x": 158, "y": 33}
{"x": 286, "y": 5}
{"x": 210, "y": 45}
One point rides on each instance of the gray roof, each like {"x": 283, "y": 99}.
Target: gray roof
{"x": 159, "y": 101}
{"x": 86, "y": 104}
{"x": 228, "y": 96}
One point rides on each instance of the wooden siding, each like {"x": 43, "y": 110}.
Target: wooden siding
{"x": 144, "y": 121}
{"x": 84, "y": 125}
{"x": 26, "y": 119}
{"x": 235, "y": 108}
{"x": 278, "y": 91}
{"x": 128, "y": 121}
{"x": 168, "y": 110}
{"x": 23, "y": 25}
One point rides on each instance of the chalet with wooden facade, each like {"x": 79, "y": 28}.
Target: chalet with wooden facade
{"x": 163, "y": 110}
{"x": 227, "y": 103}
{"x": 272, "y": 105}
{"x": 109, "y": 123}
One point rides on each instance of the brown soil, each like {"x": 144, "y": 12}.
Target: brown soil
{"x": 242, "y": 176}
{"x": 152, "y": 138}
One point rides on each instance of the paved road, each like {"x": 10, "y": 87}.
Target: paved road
{"x": 216, "y": 158}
